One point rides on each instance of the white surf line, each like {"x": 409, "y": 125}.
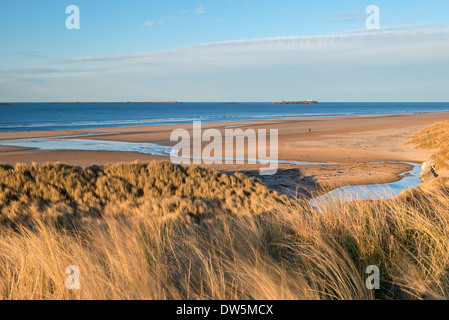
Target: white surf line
{"x": 85, "y": 134}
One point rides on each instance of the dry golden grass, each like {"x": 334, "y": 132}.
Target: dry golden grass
{"x": 435, "y": 137}
{"x": 159, "y": 231}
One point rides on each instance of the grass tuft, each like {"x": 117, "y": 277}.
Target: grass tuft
{"x": 161, "y": 231}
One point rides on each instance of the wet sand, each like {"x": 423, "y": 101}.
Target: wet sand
{"x": 351, "y": 141}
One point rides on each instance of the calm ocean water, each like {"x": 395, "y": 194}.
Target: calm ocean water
{"x": 58, "y": 116}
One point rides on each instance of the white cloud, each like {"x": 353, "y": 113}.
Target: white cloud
{"x": 404, "y": 27}
{"x": 400, "y": 61}
{"x": 390, "y": 44}
{"x": 200, "y": 10}
{"x": 333, "y": 59}
{"x": 350, "y": 16}
{"x": 150, "y": 23}
{"x": 28, "y": 54}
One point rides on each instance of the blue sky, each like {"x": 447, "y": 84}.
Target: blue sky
{"x": 221, "y": 50}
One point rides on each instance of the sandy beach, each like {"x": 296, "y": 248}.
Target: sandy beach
{"x": 352, "y": 141}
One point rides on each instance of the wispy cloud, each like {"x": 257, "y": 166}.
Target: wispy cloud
{"x": 153, "y": 23}
{"x": 386, "y": 41}
{"x": 200, "y": 10}
{"x": 31, "y": 71}
{"x": 350, "y": 16}
{"x": 28, "y": 54}
{"x": 150, "y": 23}
{"x": 396, "y": 60}
{"x": 403, "y": 27}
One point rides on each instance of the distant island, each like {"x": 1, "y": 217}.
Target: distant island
{"x": 170, "y": 102}
{"x": 282, "y": 102}
{"x": 296, "y": 102}
{"x": 78, "y": 102}
{"x": 5, "y": 104}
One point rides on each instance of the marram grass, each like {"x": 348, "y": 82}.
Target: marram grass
{"x": 160, "y": 231}
{"x": 435, "y": 137}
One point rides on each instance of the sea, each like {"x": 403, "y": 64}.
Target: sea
{"x": 20, "y": 117}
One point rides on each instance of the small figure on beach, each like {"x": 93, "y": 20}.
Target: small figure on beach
{"x": 430, "y": 166}
{"x": 310, "y": 130}
{"x": 432, "y": 169}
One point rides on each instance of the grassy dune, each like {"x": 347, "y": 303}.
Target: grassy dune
{"x": 160, "y": 231}
{"x": 435, "y": 137}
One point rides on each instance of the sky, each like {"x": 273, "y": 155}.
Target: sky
{"x": 224, "y": 50}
